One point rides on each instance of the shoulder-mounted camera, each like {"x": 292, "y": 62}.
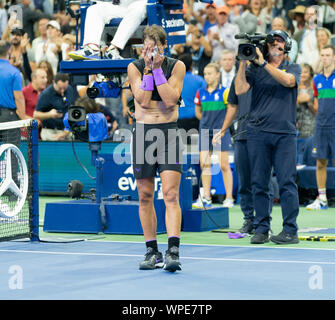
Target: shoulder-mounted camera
{"x": 247, "y": 50}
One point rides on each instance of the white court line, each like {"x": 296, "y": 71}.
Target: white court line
{"x": 182, "y": 258}
{"x": 220, "y": 245}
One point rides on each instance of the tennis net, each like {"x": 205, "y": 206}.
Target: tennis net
{"x": 19, "y": 213}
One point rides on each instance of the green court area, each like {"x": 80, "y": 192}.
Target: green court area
{"x": 308, "y": 221}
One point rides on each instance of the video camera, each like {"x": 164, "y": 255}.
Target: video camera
{"x": 104, "y": 89}
{"x": 247, "y": 51}
{"x": 91, "y": 127}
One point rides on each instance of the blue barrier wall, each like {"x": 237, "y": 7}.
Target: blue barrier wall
{"x": 58, "y": 166}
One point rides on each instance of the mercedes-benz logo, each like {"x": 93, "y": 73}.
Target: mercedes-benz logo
{"x": 10, "y": 209}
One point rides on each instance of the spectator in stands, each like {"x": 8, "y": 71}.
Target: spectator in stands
{"x": 210, "y": 18}
{"x": 68, "y": 45}
{"x": 324, "y": 133}
{"x": 221, "y": 36}
{"x": 51, "y": 106}
{"x": 69, "y": 24}
{"x": 44, "y": 6}
{"x": 192, "y": 83}
{"x": 323, "y": 38}
{"x": 306, "y": 38}
{"x": 32, "y": 91}
{"x": 133, "y": 13}
{"x": 48, "y": 69}
{"x": 256, "y": 18}
{"x": 297, "y": 15}
{"x": 3, "y": 18}
{"x": 199, "y": 48}
{"x": 235, "y": 9}
{"x": 305, "y": 108}
{"x": 51, "y": 50}
{"x": 227, "y": 67}
{"x": 42, "y": 38}
{"x": 280, "y": 23}
{"x": 326, "y": 14}
{"x": 29, "y": 16}
{"x": 211, "y": 111}
{"x": 18, "y": 53}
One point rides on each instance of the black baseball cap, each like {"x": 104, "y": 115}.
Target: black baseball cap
{"x": 17, "y": 31}
{"x": 280, "y": 33}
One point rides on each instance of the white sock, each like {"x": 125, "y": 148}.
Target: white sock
{"x": 322, "y": 194}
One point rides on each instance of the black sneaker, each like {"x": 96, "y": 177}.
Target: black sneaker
{"x": 285, "y": 238}
{"x": 260, "y": 238}
{"x": 172, "y": 263}
{"x": 247, "y": 227}
{"x": 153, "y": 259}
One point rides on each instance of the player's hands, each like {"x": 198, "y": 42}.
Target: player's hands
{"x": 147, "y": 56}
{"x": 158, "y": 58}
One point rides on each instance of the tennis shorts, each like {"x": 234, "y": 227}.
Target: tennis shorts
{"x": 324, "y": 142}
{"x": 156, "y": 147}
{"x": 206, "y": 137}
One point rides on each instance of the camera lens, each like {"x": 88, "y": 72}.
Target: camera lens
{"x": 92, "y": 92}
{"x": 76, "y": 114}
{"x": 247, "y": 51}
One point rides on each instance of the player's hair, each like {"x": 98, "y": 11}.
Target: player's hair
{"x": 155, "y": 32}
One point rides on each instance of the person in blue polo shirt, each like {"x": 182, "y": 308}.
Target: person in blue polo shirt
{"x": 324, "y": 132}
{"x": 211, "y": 111}
{"x": 271, "y": 134}
{"x": 12, "y": 105}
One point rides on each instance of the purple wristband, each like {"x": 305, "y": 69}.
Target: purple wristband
{"x": 147, "y": 83}
{"x": 159, "y": 76}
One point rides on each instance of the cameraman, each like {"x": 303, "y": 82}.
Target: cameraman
{"x": 271, "y": 133}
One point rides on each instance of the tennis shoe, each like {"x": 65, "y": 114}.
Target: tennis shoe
{"x": 260, "y": 238}
{"x": 202, "y": 203}
{"x": 247, "y": 227}
{"x": 318, "y": 205}
{"x": 228, "y": 203}
{"x": 89, "y": 52}
{"x": 113, "y": 53}
{"x": 152, "y": 260}
{"x": 285, "y": 238}
{"x": 172, "y": 263}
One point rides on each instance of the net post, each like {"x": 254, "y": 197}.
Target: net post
{"x": 35, "y": 191}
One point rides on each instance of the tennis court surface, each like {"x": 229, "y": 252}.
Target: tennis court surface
{"x": 109, "y": 270}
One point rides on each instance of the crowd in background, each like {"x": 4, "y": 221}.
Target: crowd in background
{"x": 46, "y": 33}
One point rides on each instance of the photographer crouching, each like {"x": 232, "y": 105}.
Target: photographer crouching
{"x": 271, "y": 133}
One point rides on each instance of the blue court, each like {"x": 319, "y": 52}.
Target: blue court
{"x": 109, "y": 270}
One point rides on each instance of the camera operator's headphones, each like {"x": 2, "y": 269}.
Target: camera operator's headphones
{"x": 284, "y": 35}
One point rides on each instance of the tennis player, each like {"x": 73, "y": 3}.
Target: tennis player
{"x": 156, "y": 82}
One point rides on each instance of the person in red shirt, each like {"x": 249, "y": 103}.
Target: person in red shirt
{"x": 32, "y": 91}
